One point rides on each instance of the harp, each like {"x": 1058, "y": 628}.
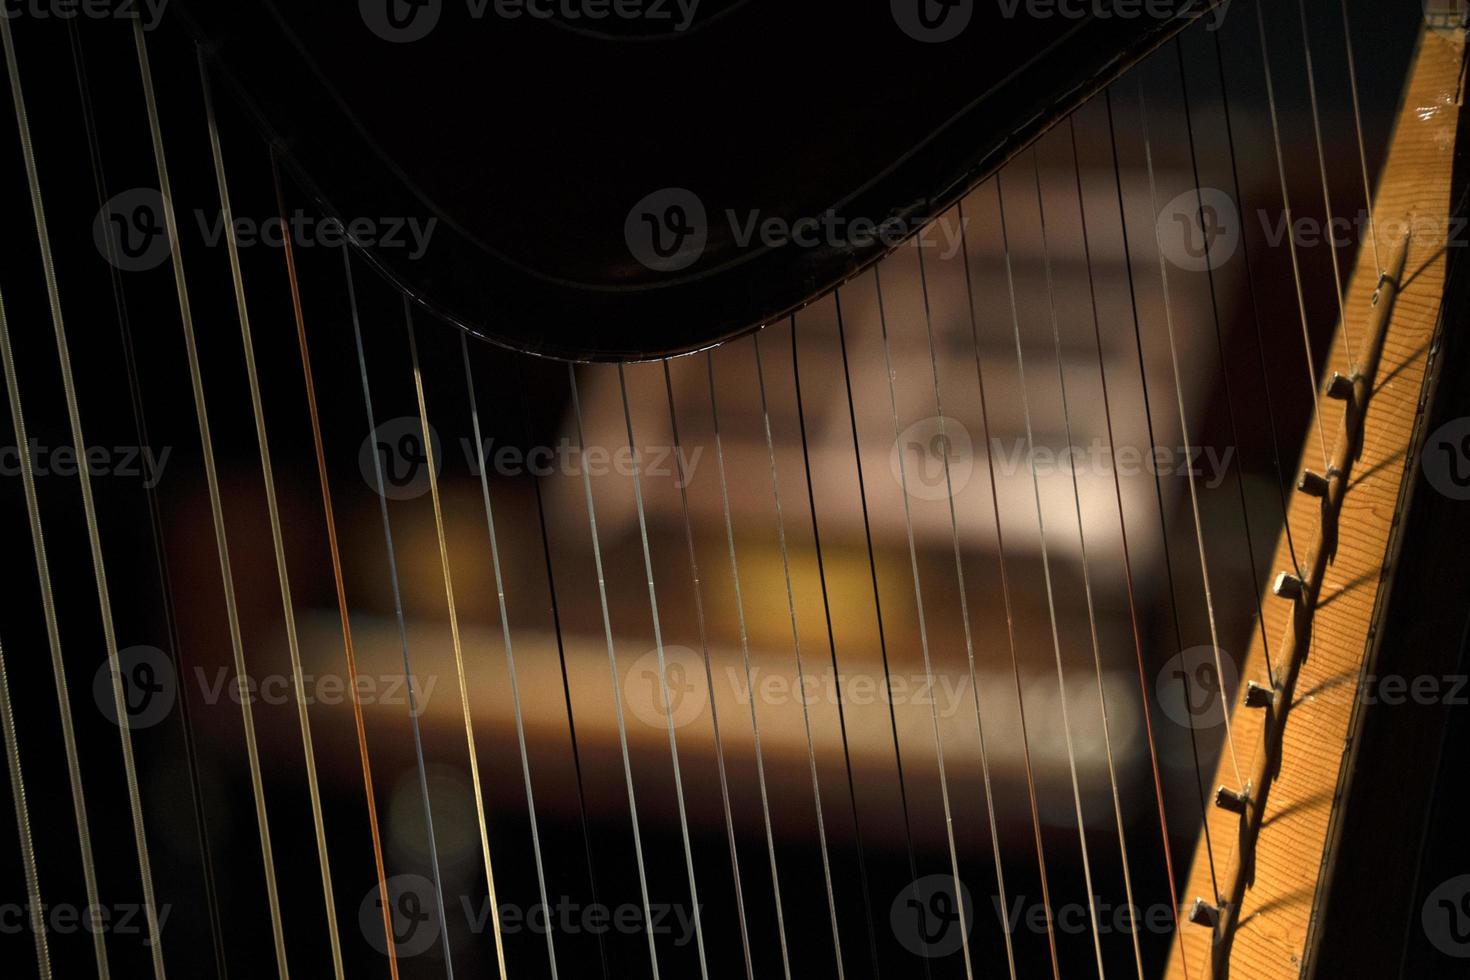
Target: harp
{"x": 516, "y": 489}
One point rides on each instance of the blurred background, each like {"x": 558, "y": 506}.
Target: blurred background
{"x": 809, "y": 459}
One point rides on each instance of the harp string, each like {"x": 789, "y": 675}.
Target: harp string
{"x": 330, "y": 519}
{"x": 23, "y": 820}
{"x": 908, "y": 521}
{"x": 216, "y": 507}
{"x": 510, "y": 660}
{"x": 832, "y": 649}
{"x": 94, "y": 540}
{"x": 1250, "y": 278}
{"x": 53, "y": 636}
{"x": 464, "y": 692}
{"x": 1245, "y": 517}
{"x": 903, "y": 797}
{"x": 1347, "y": 40}
{"x": 806, "y": 721}
{"x": 566, "y": 686}
{"x": 288, "y": 611}
{"x": 1128, "y": 580}
{"x": 969, "y": 648}
{"x": 398, "y": 615}
{"x": 959, "y": 570}
{"x": 1199, "y": 531}
{"x": 1158, "y": 483}
{"x": 709, "y": 677}
{"x": 612, "y": 664}
{"x": 663, "y": 678}
{"x": 155, "y": 515}
{"x": 1005, "y": 591}
{"x": 1296, "y": 270}
{"x": 1051, "y": 608}
{"x": 1102, "y": 699}
{"x": 760, "y": 764}
{"x": 1347, "y": 338}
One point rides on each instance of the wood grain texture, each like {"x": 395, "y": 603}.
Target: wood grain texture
{"x": 1276, "y": 914}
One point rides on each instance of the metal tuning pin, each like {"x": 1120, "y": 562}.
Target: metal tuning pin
{"x": 1235, "y": 802}
{"x": 1339, "y": 386}
{"x": 1313, "y": 484}
{"x": 1259, "y": 696}
{"x": 1202, "y": 913}
{"x": 1287, "y": 586}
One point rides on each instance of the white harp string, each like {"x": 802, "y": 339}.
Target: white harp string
{"x": 1102, "y": 698}
{"x": 663, "y": 677}
{"x": 959, "y": 570}
{"x": 612, "y": 664}
{"x": 806, "y": 721}
{"x": 760, "y": 763}
{"x": 1056, "y": 639}
{"x": 1199, "y": 530}
{"x": 908, "y": 521}
{"x": 510, "y": 657}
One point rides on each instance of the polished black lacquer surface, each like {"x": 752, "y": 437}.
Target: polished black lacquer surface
{"x": 671, "y": 180}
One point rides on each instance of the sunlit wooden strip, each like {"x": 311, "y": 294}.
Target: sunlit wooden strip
{"x": 1272, "y": 934}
